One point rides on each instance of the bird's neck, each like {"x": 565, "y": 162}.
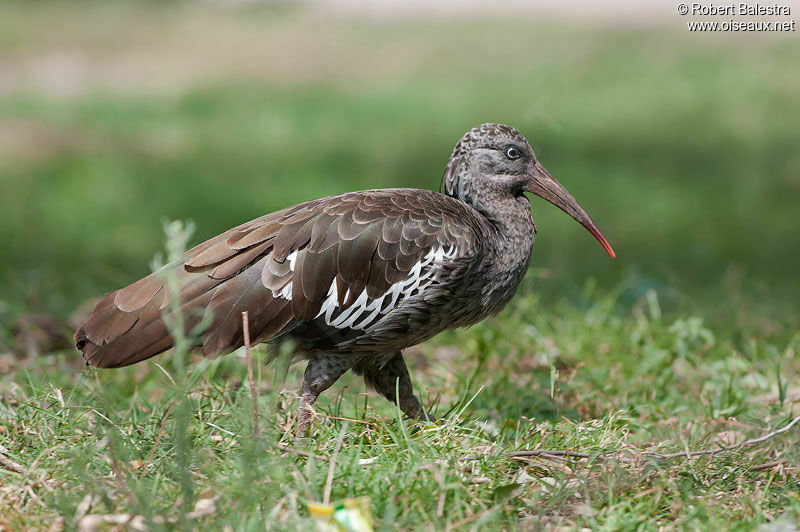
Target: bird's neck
{"x": 509, "y": 228}
{"x": 508, "y": 213}
{"x": 513, "y": 231}
{"x": 507, "y": 243}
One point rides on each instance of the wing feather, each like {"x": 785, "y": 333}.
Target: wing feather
{"x": 239, "y": 262}
{"x": 243, "y": 292}
{"x": 317, "y": 279}
{"x": 355, "y": 254}
{"x": 259, "y": 234}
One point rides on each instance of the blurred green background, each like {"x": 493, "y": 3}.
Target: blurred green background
{"x": 115, "y": 116}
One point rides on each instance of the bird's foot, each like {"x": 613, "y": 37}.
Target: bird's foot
{"x": 426, "y": 416}
{"x": 411, "y": 406}
{"x": 305, "y": 415}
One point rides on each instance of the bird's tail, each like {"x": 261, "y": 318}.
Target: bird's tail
{"x": 127, "y": 326}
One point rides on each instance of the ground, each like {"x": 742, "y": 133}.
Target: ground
{"x": 614, "y": 385}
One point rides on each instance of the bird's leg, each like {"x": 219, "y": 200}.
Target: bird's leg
{"x": 322, "y": 371}
{"x": 390, "y": 379}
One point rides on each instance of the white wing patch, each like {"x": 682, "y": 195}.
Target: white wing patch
{"x": 364, "y": 311}
{"x": 292, "y": 258}
{"x": 286, "y": 291}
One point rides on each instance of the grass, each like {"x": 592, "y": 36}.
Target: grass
{"x": 681, "y": 147}
{"x": 598, "y": 380}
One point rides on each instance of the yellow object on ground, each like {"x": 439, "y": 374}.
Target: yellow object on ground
{"x": 349, "y": 515}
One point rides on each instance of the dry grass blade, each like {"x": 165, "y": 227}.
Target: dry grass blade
{"x": 119, "y": 476}
{"x": 299, "y": 452}
{"x": 10, "y": 464}
{"x": 326, "y": 498}
{"x": 251, "y": 380}
{"x": 534, "y": 452}
{"x": 769, "y": 465}
{"x": 746, "y": 443}
{"x": 686, "y": 454}
{"x": 158, "y": 440}
{"x": 165, "y": 372}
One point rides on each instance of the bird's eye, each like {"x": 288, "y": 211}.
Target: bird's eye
{"x": 512, "y": 152}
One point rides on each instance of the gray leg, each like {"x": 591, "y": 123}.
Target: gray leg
{"x": 384, "y": 380}
{"x": 322, "y": 371}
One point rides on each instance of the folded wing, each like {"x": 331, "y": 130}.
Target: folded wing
{"x": 343, "y": 261}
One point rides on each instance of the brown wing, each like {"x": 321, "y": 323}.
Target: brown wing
{"x": 341, "y": 259}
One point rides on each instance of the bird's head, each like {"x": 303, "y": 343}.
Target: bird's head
{"x": 496, "y": 161}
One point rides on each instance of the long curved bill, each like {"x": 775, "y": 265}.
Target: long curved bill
{"x": 545, "y": 186}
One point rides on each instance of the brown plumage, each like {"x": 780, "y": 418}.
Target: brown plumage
{"x": 351, "y": 279}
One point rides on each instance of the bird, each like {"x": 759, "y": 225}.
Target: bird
{"x": 349, "y": 281}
